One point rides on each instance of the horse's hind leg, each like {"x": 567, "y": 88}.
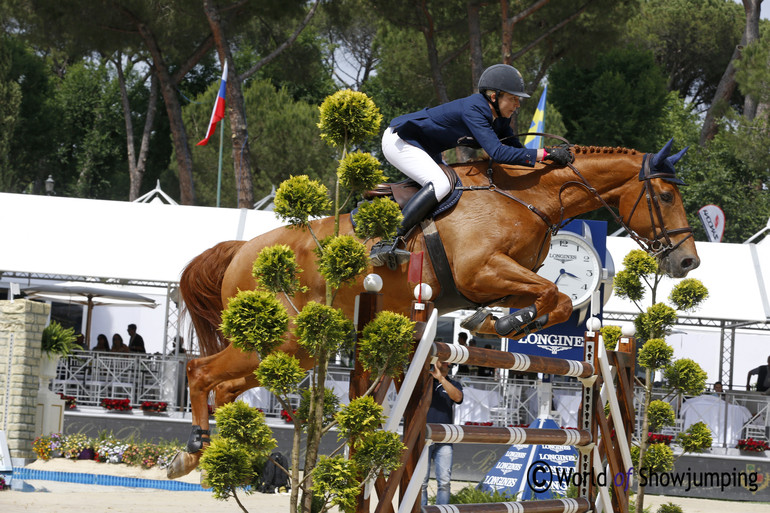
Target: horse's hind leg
{"x": 203, "y": 374}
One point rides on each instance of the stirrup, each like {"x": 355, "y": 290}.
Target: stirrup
{"x": 386, "y": 252}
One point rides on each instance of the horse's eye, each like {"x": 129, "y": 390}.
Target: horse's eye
{"x": 666, "y": 197}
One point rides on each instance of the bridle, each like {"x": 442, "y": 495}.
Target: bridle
{"x": 659, "y": 246}
{"x": 661, "y": 243}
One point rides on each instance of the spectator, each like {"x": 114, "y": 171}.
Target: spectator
{"x": 80, "y": 343}
{"x": 118, "y": 346}
{"x": 446, "y": 393}
{"x": 135, "y": 341}
{"x": 181, "y": 346}
{"x": 763, "y": 378}
{"x": 102, "y": 344}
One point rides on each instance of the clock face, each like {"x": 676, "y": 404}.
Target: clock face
{"x": 574, "y": 266}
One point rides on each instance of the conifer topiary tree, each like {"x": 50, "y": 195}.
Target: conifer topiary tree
{"x": 641, "y": 274}
{"x": 258, "y": 321}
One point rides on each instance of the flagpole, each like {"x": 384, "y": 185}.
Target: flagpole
{"x": 219, "y": 172}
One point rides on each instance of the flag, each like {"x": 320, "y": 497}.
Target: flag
{"x": 534, "y": 142}
{"x": 415, "y": 268}
{"x": 218, "y": 113}
{"x": 713, "y": 219}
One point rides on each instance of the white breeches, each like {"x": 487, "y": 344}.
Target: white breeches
{"x": 414, "y": 163}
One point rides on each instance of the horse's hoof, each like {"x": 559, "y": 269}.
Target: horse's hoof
{"x": 182, "y": 464}
{"x": 472, "y": 322}
{"x": 517, "y": 321}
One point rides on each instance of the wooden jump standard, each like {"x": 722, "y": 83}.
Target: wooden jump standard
{"x": 591, "y": 454}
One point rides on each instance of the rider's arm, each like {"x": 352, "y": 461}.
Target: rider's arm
{"x": 748, "y": 377}
{"x": 478, "y": 118}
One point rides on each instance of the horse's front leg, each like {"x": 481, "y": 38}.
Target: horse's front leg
{"x": 203, "y": 374}
{"x": 540, "y": 302}
{"x": 227, "y": 391}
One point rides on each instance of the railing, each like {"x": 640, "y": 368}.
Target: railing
{"x": 90, "y": 377}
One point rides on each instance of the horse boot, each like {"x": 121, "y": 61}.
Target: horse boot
{"x": 416, "y": 209}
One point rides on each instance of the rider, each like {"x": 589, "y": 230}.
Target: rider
{"x": 413, "y": 143}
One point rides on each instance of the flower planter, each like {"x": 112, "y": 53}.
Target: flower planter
{"x": 151, "y": 413}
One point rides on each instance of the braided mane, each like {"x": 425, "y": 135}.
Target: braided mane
{"x": 602, "y": 149}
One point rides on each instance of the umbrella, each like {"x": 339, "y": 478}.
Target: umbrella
{"x": 89, "y": 296}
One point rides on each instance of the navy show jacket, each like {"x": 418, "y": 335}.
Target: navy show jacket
{"x": 437, "y": 129}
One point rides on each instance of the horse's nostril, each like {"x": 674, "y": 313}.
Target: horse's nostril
{"x": 689, "y": 264}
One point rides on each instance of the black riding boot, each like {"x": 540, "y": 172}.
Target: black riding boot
{"x": 418, "y": 206}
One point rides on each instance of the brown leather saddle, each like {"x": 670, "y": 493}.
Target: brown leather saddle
{"x": 402, "y": 191}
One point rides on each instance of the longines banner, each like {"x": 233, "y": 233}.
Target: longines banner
{"x": 565, "y": 340}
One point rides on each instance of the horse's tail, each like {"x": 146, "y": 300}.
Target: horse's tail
{"x": 201, "y": 289}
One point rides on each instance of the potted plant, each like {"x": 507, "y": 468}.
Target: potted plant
{"x": 151, "y": 407}
{"x": 116, "y": 404}
{"x": 752, "y": 445}
{"x": 58, "y": 341}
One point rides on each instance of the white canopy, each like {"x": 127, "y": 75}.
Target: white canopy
{"x": 141, "y": 242}
{"x": 737, "y": 277}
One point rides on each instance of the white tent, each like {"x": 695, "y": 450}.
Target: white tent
{"x": 729, "y": 334}
{"x": 115, "y": 240}
{"x": 140, "y": 244}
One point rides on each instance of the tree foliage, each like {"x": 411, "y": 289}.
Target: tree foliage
{"x": 620, "y": 102}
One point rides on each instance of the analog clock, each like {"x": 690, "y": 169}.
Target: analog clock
{"x": 574, "y": 266}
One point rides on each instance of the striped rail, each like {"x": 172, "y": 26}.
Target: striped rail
{"x": 455, "y": 353}
{"x": 579, "y": 505}
{"x": 452, "y": 434}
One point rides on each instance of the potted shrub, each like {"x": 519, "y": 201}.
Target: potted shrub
{"x": 58, "y": 341}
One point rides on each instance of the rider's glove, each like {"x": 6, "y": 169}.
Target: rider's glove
{"x": 558, "y": 155}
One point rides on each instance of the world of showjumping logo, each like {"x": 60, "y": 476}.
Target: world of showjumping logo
{"x": 542, "y": 476}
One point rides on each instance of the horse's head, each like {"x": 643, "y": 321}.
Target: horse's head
{"x": 653, "y": 209}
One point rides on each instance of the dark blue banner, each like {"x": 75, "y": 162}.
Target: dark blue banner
{"x": 532, "y": 471}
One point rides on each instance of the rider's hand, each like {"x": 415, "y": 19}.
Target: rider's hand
{"x": 558, "y": 155}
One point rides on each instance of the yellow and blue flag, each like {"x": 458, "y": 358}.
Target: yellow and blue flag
{"x": 534, "y": 142}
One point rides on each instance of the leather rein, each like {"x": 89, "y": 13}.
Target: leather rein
{"x": 661, "y": 243}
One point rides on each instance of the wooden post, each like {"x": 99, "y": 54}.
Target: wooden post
{"x": 420, "y": 314}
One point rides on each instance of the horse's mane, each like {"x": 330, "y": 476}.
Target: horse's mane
{"x": 602, "y": 149}
{"x": 575, "y": 149}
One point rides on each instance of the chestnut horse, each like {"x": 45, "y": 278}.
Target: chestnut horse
{"x": 495, "y": 238}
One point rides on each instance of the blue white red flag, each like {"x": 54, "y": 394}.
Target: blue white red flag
{"x": 218, "y": 113}
{"x": 535, "y": 142}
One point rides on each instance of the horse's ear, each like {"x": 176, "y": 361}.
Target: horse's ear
{"x": 659, "y": 158}
{"x": 673, "y": 159}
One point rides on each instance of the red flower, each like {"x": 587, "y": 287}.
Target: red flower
{"x": 749, "y": 444}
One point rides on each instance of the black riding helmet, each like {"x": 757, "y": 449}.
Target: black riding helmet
{"x": 502, "y": 77}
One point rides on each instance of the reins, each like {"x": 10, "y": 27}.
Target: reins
{"x": 654, "y": 247}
